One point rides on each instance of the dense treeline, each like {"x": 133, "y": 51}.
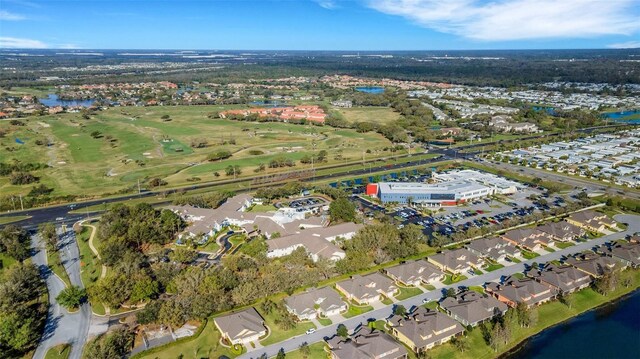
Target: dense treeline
{"x": 126, "y": 229}
{"x": 22, "y": 310}
{"x": 376, "y": 244}
{"x": 501, "y": 68}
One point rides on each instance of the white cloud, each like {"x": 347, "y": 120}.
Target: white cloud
{"x": 503, "y": 20}
{"x": 9, "y": 16}
{"x": 327, "y": 4}
{"x": 625, "y": 45}
{"x": 18, "y": 43}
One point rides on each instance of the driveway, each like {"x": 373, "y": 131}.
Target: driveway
{"x": 61, "y": 326}
{"x": 633, "y": 222}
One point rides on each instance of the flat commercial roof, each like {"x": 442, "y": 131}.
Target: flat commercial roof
{"x": 417, "y": 187}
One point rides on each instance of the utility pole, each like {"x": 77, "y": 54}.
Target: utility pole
{"x": 139, "y": 187}
{"x": 13, "y": 203}
{"x": 21, "y": 204}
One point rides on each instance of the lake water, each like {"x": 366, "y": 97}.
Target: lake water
{"x": 370, "y": 89}
{"x": 53, "y": 100}
{"x": 268, "y": 103}
{"x": 612, "y": 331}
{"x": 620, "y": 116}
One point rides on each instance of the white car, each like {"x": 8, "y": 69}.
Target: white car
{"x": 310, "y": 331}
{"x": 426, "y": 300}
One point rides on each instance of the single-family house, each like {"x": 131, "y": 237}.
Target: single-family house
{"x": 423, "y": 329}
{"x": 528, "y": 238}
{"x": 367, "y": 289}
{"x": 566, "y": 279}
{"x": 472, "y": 308}
{"x": 493, "y": 248}
{"x": 528, "y": 291}
{"x": 594, "y": 264}
{"x": 366, "y": 344}
{"x": 317, "y": 302}
{"x": 415, "y": 273}
{"x": 562, "y": 231}
{"x": 456, "y": 261}
{"x": 592, "y": 221}
{"x": 241, "y": 327}
{"x": 627, "y": 253}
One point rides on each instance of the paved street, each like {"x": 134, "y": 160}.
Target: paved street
{"x": 633, "y": 222}
{"x": 570, "y": 180}
{"x": 61, "y": 326}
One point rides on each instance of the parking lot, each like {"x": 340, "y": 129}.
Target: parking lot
{"x": 477, "y": 213}
{"x": 304, "y": 204}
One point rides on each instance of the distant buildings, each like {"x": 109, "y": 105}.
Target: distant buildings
{"x": 342, "y": 103}
{"x": 311, "y": 113}
{"x": 503, "y": 124}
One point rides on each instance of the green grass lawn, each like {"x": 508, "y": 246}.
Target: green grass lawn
{"x": 374, "y": 114}
{"x": 548, "y": 314}
{"x": 356, "y": 310}
{"x": 476, "y": 288}
{"x": 514, "y": 260}
{"x": 529, "y": 255}
{"x": 451, "y": 279}
{"x": 493, "y": 266}
{"x": 262, "y": 208}
{"x": 518, "y": 275}
{"x": 205, "y": 345}
{"x": 316, "y": 351}
{"x": 90, "y": 269}
{"x": 408, "y": 292}
{"x": 387, "y": 301}
{"x": 61, "y": 351}
{"x": 325, "y": 321}
{"x": 6, "y": 262}
{"x": 131, "y": 146}
{"x": 563, "y": 245}
{"x": 429, "y": 287}
{"x": 53, "y": 259}
{"x": 277, "y": 334}
{"x": 12, "y": 219}
{"x": 211, "y": 246}
{"x": 548, "y": 249}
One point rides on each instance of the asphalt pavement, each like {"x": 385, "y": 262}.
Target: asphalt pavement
{"x": 61, "y": 326}
{"x": 632, "y": 221}
{"x": 578, "y": 182}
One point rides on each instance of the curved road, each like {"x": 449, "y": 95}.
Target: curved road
{"x": 633, "y": 222}
{"x": 61, "y": 326}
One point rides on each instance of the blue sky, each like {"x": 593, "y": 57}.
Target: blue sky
{"x": 320, "y": 24}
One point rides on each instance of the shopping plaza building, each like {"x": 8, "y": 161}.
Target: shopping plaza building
{"x": 450, "y": 189}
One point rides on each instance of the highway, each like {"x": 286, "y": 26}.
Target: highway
{"x": 51, "y": 213}
{"x": 633, "y": 222}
